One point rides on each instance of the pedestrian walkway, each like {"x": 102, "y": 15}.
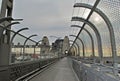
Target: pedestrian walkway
{"x": 60, "y": 71}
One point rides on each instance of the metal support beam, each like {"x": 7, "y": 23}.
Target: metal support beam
{"x": 5, "y": 27}
{"x": 25, "y": 44}
{"x": 92, "y": 41}
{"x": 13, "y": 39}
{"x": 110, "y": 27}
{"x": 76, "y": 47}
{"x": 13, "y": 23}
{"x": 92, "y": 10}
{"x": 96, "y": 33}
{"x": 17, "y": 33}
{"x": 4, "y": 47}
{"x": 83, "y": 47}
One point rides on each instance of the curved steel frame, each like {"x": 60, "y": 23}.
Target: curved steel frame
{"x": 96, "y": 33}
{"x": 76, "y": 47}
{"x": 5, "y": 27}
{"x": 110, "y": 27}
{"x": 17, "y": 33}
{"x": 92, "y": 41}
{"x": 25, "y": 43}
{"x": 11, "y": 24}
{"x": 38, "y": 42}
{"x": 83, "y": 47}
{"x": 29, "y": 38}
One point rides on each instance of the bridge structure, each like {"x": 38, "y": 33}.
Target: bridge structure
{"x": 92, "y": 54}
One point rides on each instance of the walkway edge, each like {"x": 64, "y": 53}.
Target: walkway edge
{"x": 73, "y": 70}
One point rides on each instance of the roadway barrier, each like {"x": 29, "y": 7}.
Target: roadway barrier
{"x": 14, "y": 71}
{"x": 89, "y": 72}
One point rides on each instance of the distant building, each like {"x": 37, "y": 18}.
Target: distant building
{"x": 45, "y": 46}
{"x": 61, "y": 45}
{"x": 57, "y": 46}
{"x": 66, "y": 45}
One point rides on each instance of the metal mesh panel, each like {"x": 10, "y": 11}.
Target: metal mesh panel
{"x": 111, "y": 8}
{"x": 80, "y": 47}
{"x": 81, "y": 12}
{"x": 82, "y": 37}
{"x": 30, "y": 47}
{"x": 17, "y": 46}
{"x": 18, "y": 39}
{"x": 104, "y": 33}
{"x": 94, "y": 38}
{"x": 87, "y": 42}
{"x": 76, "y": 30}
{"x": 76, "y": 49}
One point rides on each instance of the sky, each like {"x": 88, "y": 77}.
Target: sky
{"x": 53, "y": 18}
{"x": 44, "y": 17}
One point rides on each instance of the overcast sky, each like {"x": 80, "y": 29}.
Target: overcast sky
{"x": 44, "y": 17}
{"x": 53, "y": 17}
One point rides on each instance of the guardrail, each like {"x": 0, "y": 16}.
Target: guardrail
{"x": 14, "y": 71}
{"x": 89, "y": 72}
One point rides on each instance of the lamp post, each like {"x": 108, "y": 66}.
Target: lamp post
{"x": 25, "y": 44}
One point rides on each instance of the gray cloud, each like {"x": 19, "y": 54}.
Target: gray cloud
{"x": 44, "y": 17}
